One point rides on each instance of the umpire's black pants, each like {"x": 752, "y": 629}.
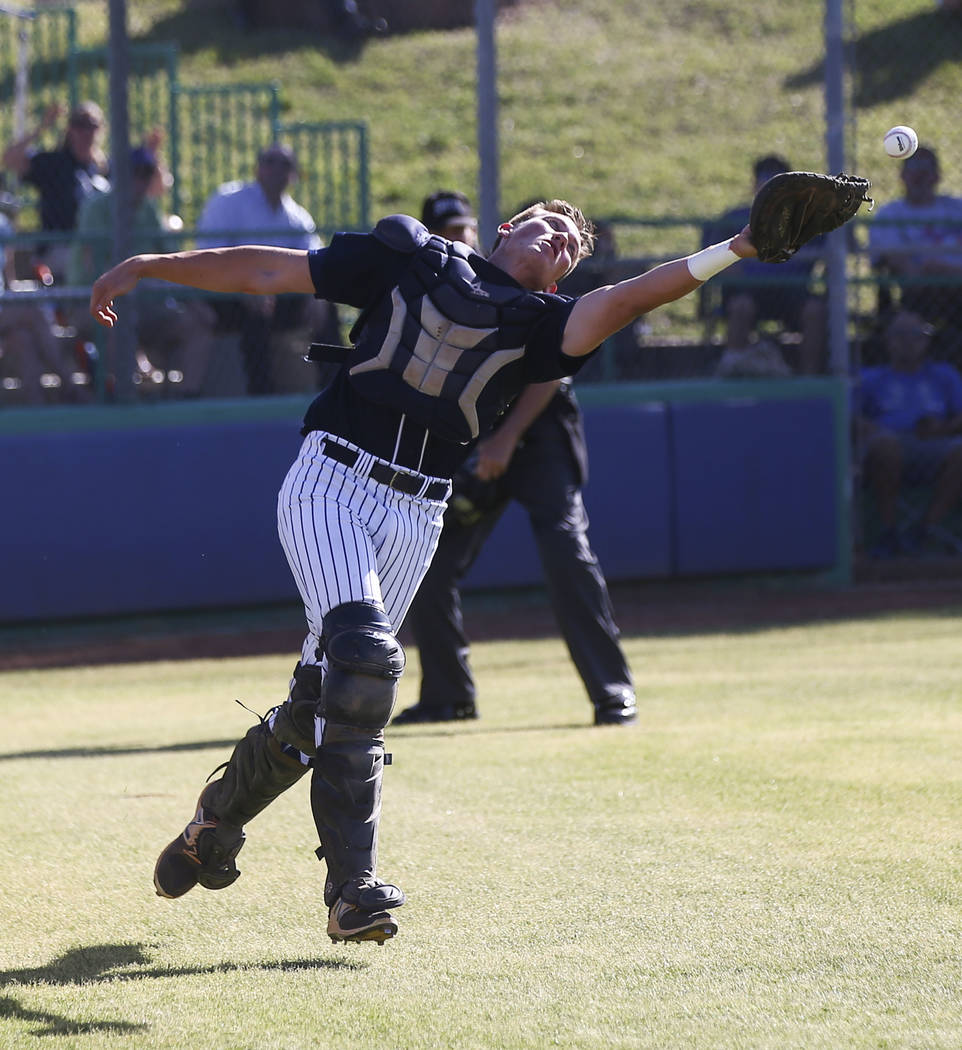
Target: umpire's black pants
{"x": 543, "y": 478}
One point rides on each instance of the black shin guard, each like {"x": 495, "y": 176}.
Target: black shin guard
{"x": 259, "y": 770}
{"x": 364, "y": 662}
{"x": 346, "y": 802}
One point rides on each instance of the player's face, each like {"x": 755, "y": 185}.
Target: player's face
{"x": 547, "y": 246}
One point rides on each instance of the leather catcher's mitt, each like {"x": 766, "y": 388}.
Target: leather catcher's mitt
{"x": 795, "y": 206}
{"x": 471, "y": 498}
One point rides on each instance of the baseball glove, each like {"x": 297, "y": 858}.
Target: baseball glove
{"x": 471, "y": 498}
{"x": 795, "y": 206}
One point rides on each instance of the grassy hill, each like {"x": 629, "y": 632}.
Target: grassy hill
{"x": 628, "y": 107}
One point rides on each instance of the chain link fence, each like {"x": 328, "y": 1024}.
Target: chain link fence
{"x": 56, "y": 226}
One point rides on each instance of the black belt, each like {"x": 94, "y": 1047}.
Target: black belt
{"x": 385, "y": 474}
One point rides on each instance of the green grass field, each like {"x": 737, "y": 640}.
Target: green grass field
{"x": 771, "y": 860}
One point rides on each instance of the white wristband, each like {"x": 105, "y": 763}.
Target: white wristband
{"x": 709, "y": 261}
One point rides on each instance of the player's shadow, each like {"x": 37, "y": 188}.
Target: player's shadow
{"x": 125, "y": 962}
{"x": 891, "y": 61}
{"x": 77, "y": 966}
{"x": 54, "y": 1024}
{"x": 471, "y": 728}
{"x": 113, "y": 752}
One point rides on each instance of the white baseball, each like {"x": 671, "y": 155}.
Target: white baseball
{"x": 900, "y": 142}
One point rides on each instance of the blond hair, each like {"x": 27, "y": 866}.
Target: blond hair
{"x": 586, "y": 228}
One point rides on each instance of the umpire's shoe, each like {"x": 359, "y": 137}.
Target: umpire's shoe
{"x": 360, "y": 913}
{"x": 618, "y": 710}
{"x": 419, "y": 714}
{"x": 203, "y": 854}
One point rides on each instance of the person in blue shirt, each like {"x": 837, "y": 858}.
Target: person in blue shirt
{"x": 909, "y": 424}
{"x": 445, "y": 342}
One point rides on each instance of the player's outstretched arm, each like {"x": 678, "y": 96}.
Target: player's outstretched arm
{"x": 604, "y": 311}
{"x": 249, "y": 269}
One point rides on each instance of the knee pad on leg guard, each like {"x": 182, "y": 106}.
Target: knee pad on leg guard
{"x": 364, "y": 663}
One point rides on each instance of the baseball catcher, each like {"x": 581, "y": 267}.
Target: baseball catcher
{"x": 796, "y": 206}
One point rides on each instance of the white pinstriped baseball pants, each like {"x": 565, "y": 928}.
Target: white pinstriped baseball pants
{"x": 349, "y": 538}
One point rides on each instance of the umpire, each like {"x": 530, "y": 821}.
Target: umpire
{"x": 538, "y": 457}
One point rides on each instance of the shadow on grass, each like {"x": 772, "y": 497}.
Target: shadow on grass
{"x": 471, "y": 728}
{"x": 113, "y": 752}
{"x": 431, "y": 730}
{"x": 892, "y": 60}
{"x": 121, "y": 962}
{"x": 54, "y": 1024}
{"x": 209, "y": 745}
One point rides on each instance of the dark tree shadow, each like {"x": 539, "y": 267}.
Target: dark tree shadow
{"x": 203, "y": 26}
{"x": 98, "y": 963}
{"x": 892, "y": 60}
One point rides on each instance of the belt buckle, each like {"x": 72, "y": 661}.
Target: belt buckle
{"x": 402, "y": 476}
{"x": 409, "y": 484}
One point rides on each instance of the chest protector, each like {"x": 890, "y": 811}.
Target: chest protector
{"x": 443, "y": 346}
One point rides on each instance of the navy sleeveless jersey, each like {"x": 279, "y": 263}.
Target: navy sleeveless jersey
{"x": 445, "y": 343}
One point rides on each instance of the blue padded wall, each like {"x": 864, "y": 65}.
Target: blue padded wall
{"x": 150, "y": 518}
{"x": 754, "y": 485}
{"x": 129, "y": 509}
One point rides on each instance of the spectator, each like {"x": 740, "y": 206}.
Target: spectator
{"x": 909, "y": 425}
{"x": 64, "y": 177}
{"x": 919, "y": 236}
{"x": 162, "y": 181}
{"x": 263, "y": 212}
{"x": 537, "y": 456}
{"x": 33, "y": 369}
{"x": 176, "y": 335}
{"x": 750, "y": 296}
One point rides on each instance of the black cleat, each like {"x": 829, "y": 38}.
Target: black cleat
{"x": 360, "y": 913}
{"x": 348, "y": 923}
{"x": 198, "y": 856}
{"x": 420, "y": 714}
{"x": 616, "y": 711}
